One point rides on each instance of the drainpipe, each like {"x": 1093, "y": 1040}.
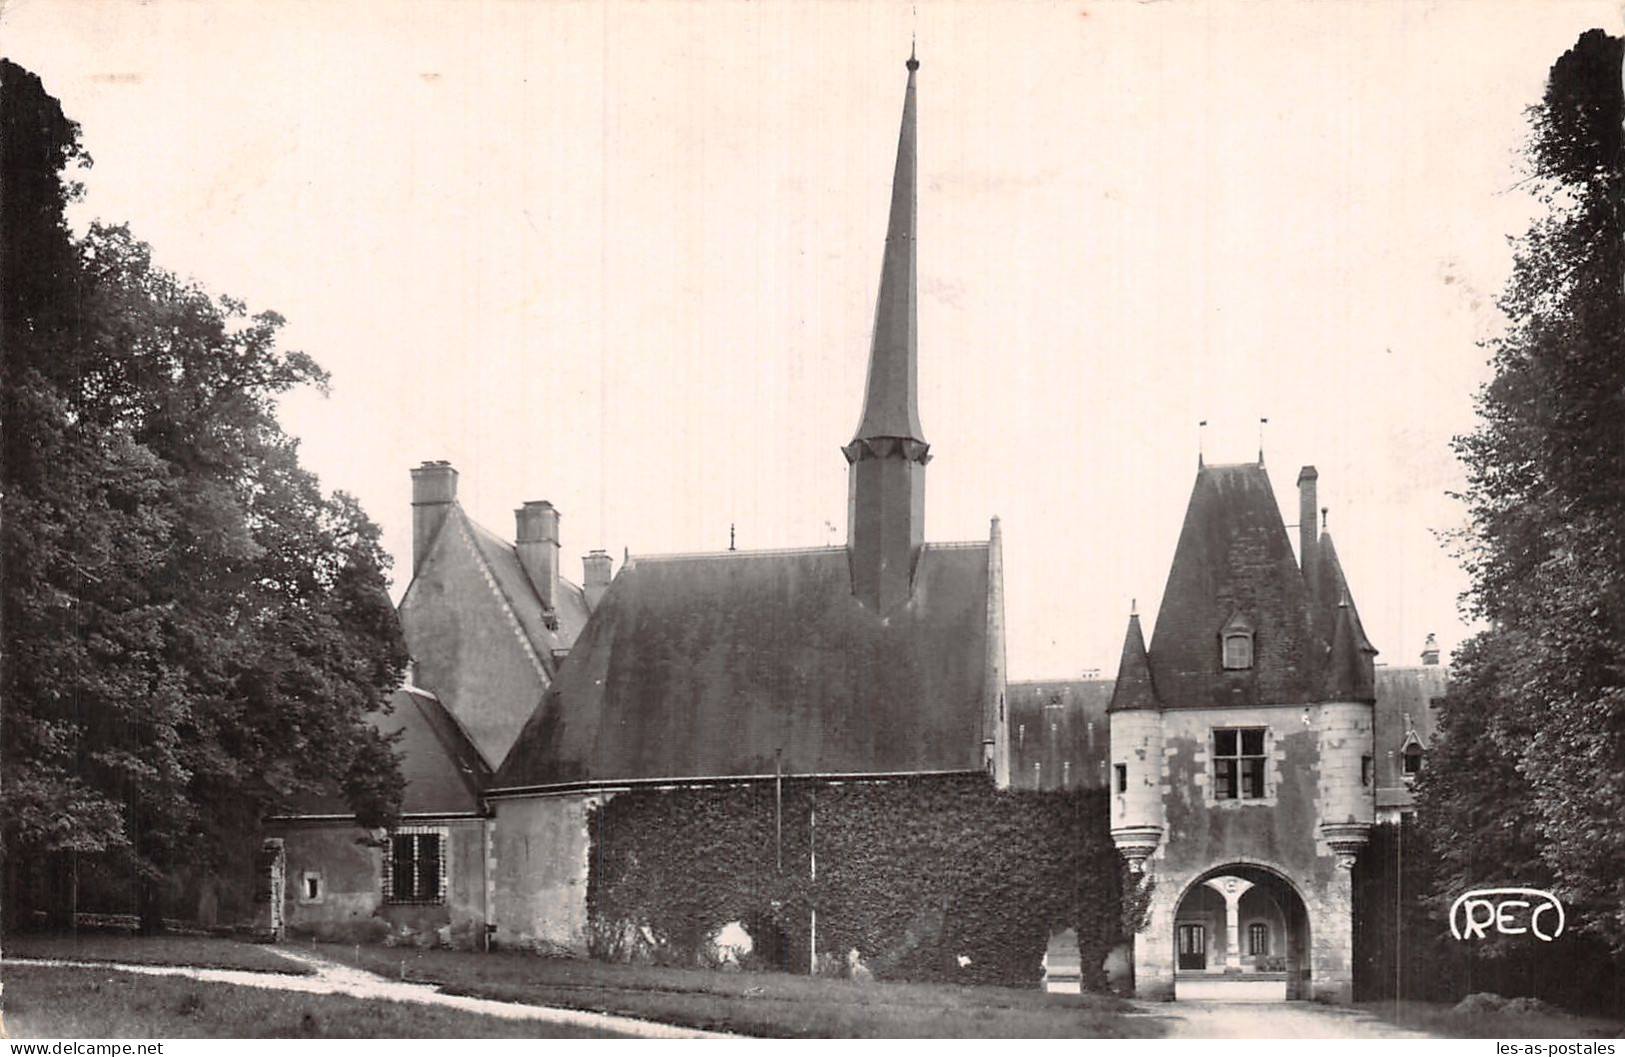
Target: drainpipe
{"x": 487, "y": 927}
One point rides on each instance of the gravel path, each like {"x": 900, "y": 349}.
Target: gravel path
{"x": 1273, "y": 1020}
{"x": 335, "y": 978}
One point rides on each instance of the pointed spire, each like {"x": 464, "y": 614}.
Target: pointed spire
{"x": 886, "y": 459}
{"x": 890, "y": 403}
{"x": 1134, "y": 689}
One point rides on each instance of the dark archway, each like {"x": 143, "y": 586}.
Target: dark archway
{"x": 1241, "y": 930}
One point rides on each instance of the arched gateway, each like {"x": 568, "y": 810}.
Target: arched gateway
{"x": 1241, "y": 932}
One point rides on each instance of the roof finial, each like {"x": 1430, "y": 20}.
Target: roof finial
{"x": 1201, "y": 433}
{"x": 1134, "y": 607}
{"x": 730, "y": 535}
{"x": 1262, "y": 422}
{"x": 913, "y": 36}
{"x": 1323, "y": 511}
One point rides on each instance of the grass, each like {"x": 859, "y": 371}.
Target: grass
{"x": 203, "y": 951}
{"x": 1443, "y": 1019}
{"x": 760, "y": 1003}
{"x": 56, "y": 1002}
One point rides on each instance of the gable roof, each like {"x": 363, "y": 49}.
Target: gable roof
{"x": 1234, "y": 557}
{"x": 521, "y": 596}
{"x": 749, "y": 663}
{"x": 477, "y": 630}
{"x": 445, "y": 774}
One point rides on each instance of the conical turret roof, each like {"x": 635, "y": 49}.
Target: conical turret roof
{"x": 1135, "y": 688}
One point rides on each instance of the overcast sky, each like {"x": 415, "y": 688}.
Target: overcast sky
{"x": 624, "y": 257}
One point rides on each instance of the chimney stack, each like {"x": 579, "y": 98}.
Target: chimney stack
{"x": 1308, "y": 537}
{"x": 434, "y": 490}
{"x": 595, "y": 577}
{"x": 536, "y": 538}
{"x": 1430, "y": 650}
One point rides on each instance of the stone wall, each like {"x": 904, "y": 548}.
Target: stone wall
{"x": 349, "y": 870}
{"x": 1312, "y": 767}
{"x": 539, "y": 872}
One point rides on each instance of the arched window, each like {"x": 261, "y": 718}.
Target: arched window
{"x": 1258, "y": 939}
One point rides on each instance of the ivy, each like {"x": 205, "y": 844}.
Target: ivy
{"x": 927, "y": 878}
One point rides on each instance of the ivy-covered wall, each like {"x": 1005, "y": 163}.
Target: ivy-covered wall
{"x": 927, "y": 878}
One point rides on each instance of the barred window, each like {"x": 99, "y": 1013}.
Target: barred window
{"x": 1238, "y": 764}
{"x": 416, "y": 870}
{"x": 1258, "y": 939}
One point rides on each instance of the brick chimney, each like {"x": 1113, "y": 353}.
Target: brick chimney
{"x": 1430, "y": 649}
{"x": 1308, "y": 535}
{"x": 595, "y": 577}
{"x": 434, "y": 490}
{"x": 536, "y": 537}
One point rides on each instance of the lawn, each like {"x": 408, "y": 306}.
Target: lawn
{"x": 760, "y": 1003}
{"x": 207, "y": 952}
{"x": 46, "y": 1002}
{"x": 1443, "y": 1019}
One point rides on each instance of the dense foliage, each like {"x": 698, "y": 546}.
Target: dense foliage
{"x": 193, "y": 631}
{"x": 1527, "y": 784}
{"x": 1403, "y": 945}
{"x": 931, "y": 878}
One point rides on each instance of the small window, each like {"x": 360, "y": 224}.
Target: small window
{"x": 416, "y": 870}
{"x": 1021, "y": 735}
{"x": 1367, "y": 769}
{"x": 1258, "y": 939}
{"x": 1411, "y": 761}
{"x": 1238, "y": 650}
{"x": 1122, "y": 778}
{"x": 1238, "y": 764}
{"x": 310, "y": 887}
{"x": 1066, "y": 773}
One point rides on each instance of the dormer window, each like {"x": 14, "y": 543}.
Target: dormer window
{"x": 1410, "y": 761}
{"x": 1236, "y": 643}
{"x": 1410, "y": 753}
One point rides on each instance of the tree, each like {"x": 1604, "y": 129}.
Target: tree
{"x": 1531, "y": 758}
{"x": 194, "y": 633}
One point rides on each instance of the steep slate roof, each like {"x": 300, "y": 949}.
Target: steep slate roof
{"x": 1349, "y": 674}
{"x": 444, "y": 772}
{"x": 739, "y": 663}
{"x": 1134, "y": 686}
{"x": 476, "y": 627}
{"x": 521, "y": 595}
{"x": 1331, "y": 590}
{"x": 1234, "y": 557}
{"x": 1401, "y": 692}
{"x": 1061, "y": 727}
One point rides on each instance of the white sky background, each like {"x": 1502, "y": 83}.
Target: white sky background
{"x": 624, "y": 257}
